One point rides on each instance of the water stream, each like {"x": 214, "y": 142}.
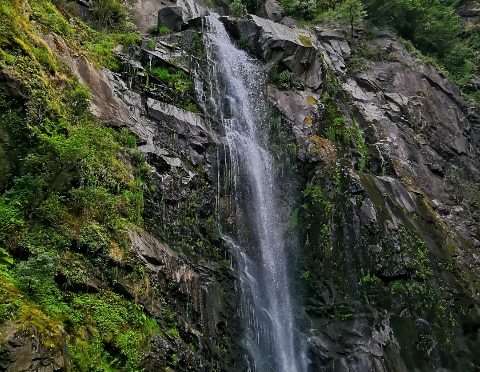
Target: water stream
{"x": 236, "y": 97}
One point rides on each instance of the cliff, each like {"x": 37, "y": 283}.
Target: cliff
{"x": 115, "y": 182}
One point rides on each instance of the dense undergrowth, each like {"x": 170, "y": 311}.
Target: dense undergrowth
{"x": 70, "y": 188}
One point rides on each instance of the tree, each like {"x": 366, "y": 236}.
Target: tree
{"x": 349, "y": 11}
{"x": 431, "y": 25}
{"x": 356, "y": 12}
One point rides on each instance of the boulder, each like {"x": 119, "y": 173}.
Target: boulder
{"x": 171, "y": 17}
{"x": 176, "y": 17}
{"x": 271, "y": 9}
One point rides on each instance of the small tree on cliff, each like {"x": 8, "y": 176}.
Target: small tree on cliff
{"x": 349, "y": 11}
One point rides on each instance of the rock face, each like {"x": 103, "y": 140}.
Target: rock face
{"x": 387, "y": 275}
{"x": 192, "y": 288}
{"x": 390, "y": 151}
{"x": 23, "y": 351}
{"x": 272, "y": 10}
{"x": 278, "y": 44}
{"x": 182, "y": 251}
{"x": 171, "y": 17}
{"x": 146, "y": 13}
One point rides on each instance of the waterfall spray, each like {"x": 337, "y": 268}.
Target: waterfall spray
{"x": 258, "y": 246}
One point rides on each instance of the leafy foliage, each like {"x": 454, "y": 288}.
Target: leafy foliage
{"x": 68, "y": 192}
{"x": 351, "y": 12}
{"x": 433, "y": 27}
{"x": 237, "y": 8}
{"x": 179, "y": 83}
{"x": 108, "y": 13}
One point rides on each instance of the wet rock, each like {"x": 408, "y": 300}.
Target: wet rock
{"x": 302, "y": 110}
{"x": 22, "y": 350}
{"x": 184, "y": 121}
{"x": 369, "y": 214}
{"x": 155, "y": 359}
{"x": 274, "y": 43}
{"x": 166, "y": 50}
{"x": 173, "y": 271}
{"x": 171, "y": 17}
{"x": 368, "y": 340}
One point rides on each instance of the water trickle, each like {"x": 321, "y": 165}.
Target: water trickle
{"x": 258, "y": 245}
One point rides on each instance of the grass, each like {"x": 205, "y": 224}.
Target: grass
{"x": 180, "y": 85}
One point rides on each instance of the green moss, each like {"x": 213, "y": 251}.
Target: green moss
{"x": 414, "y": 248}
{"x": 75, "y": 187}
{"x": 305, "y": 40}
{"x": 180, "y": 84}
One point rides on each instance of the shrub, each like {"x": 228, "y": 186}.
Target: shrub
{"x": 108, "y": 13}
{"x": 303, "y": 9}
{"x": 351, "y": 12}
{"x": 237, "y": 8}
{"x": 432, "y": 26}
{"x": 282, "y": 79}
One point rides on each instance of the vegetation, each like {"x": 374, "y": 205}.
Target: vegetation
{"x": 282, "y": 79}
{"x": 344, "y": 131}
{"x": 237, "y": 8}
{"x": 432, "y": 27}
{"x": 108, "y": 13}
{"x": 351, "y": 12}
{"x": 175, "y": 78}
{"x": 179, "y": 84}
{"x": 69, "y": 190}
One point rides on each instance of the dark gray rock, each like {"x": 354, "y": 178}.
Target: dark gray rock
{"x": 171, "y": 17}
{"x": 22, "y": 350}
{"x": 302, "y": 110}
{"x": 196, "y": 285}
{"x": 274, "y": 43}
{"x": 271, "y": 9}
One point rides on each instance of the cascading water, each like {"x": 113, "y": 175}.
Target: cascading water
{"x": 236, "y": 97}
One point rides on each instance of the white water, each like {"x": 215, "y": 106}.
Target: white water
{"x": 237, "y": 97}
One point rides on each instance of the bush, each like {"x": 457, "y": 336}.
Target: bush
{"x": 237, "y": 8}
{"x": 432, "y": 26}
{"x": 283, "y": 80}
{"x": 304, "y": 9}
{"x": 108, "y": 13}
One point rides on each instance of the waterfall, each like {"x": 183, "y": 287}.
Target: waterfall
{"x": 236, "y": 98}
